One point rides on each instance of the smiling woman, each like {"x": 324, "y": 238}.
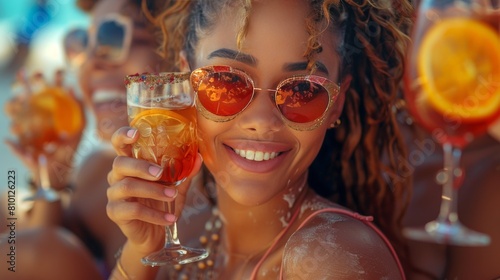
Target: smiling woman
{"x": 272, "y": 80}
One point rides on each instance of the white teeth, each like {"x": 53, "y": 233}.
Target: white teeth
{"x": 250, "y": 155}
{"x": 101, "y": 95}
{"x": 255, "y": 155}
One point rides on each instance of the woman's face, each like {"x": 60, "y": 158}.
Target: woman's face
{"x": 272, "y": 51}
{"x": 101, "y": 80}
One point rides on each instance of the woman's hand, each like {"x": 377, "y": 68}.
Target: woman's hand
{"x": 136, "y": 201}
{"x": 60, "y": 157}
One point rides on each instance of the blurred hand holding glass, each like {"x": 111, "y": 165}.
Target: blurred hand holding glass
{"x": 161, "y": 108}
{"x": 453, "y": 90}
{"x": 44, "y": 116}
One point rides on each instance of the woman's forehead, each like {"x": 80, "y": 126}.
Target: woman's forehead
{"x": 276, "y": 32}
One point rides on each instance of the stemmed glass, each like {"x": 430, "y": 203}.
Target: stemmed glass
{"x": 45, "y": 192}
{"x": 452, "y": 88}
{"x": 46, "y": 115}
{"x": 161, "y": 107}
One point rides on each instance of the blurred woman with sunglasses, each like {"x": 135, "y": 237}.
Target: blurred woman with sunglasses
{"x": 120, "y": 41}
{"x": 294, "y": 114}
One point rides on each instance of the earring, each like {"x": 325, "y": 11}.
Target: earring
{"x": 335, "y": 124}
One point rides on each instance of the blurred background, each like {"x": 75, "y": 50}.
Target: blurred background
{"x": 31, "y": 35}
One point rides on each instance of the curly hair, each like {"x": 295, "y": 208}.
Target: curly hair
{"x": 357, "y": 165}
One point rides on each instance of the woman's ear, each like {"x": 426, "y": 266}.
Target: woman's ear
{"x": 183, "y": 62}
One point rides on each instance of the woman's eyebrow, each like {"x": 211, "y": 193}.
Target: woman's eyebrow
{"x": 235, "y": 55}
{"x": 252, "y": 61}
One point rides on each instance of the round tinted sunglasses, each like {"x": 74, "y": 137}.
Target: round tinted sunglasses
{"x": 223, "y": 92}
{"x": 109, "y": 41}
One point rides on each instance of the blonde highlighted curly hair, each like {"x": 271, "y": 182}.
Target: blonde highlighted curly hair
{"x": 359, "y": 163}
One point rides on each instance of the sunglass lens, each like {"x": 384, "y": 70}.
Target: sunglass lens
{"x": 110, "y": 40}
{"x": 75, "y": 43}
{"x": 302, "y": 101}
{"x": 224, "y": 93}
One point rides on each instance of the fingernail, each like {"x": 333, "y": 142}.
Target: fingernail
{"x": 155, "y": 170}
{"x": 170, "y": 192}
{"x": 131, "y": 133}
{"x": 169, "y": 217}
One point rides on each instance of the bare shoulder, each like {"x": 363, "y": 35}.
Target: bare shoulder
{"x": 338, "y": 246}
{"x": 95, "y": 166}
{"x": 91, "y": 177}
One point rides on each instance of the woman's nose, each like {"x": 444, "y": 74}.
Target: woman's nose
{"x": 261, "y": 115}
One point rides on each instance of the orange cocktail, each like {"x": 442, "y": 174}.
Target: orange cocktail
{"x": 43, "y": 120}
{"x": 50, "y": 116}
{"x": 161, "y": 108}
{"x": 166, "y": 137}
{"x": 454, "y": 88}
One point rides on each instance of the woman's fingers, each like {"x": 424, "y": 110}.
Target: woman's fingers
{"x": 15, "y": 109}
{"x": 142, "y": 221}
{"x": 124, "y": 166}
{"x": 132, "y": 179}
{"x": 137, "y": 199}
{"x": 13, "y": 106}
{"x": 123, "y": 213}
{"x": 122, "y": 139}
{"x": 132, "y": 188}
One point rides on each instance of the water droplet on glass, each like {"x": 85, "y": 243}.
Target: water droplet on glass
{"x": 441, "y": 177}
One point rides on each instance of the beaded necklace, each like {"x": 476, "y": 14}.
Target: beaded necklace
{"x": 207, "y": 269}
{"x": 204, "y": 269}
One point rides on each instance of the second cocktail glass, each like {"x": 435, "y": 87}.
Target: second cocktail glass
{"x": 453, "y": 90}
{"x": 161, "y": 108}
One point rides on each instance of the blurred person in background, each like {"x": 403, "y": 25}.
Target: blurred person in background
{"x": 75, "y": 229}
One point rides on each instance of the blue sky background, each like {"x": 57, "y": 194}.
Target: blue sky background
{"x": 18, "y": 16}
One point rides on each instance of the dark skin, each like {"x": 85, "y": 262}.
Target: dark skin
{"x": 251, "y": 201}
{"x": 37, "y": 249}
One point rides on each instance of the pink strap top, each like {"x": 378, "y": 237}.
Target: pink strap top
{"x": 366, "y": 219}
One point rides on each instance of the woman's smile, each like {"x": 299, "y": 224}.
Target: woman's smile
{"x": 258, "y": 157}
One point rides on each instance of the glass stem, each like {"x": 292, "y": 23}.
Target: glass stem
{"x": 44, "y": 172}
{"x": 449, "y": 206}
{"x": 171, "y": 236}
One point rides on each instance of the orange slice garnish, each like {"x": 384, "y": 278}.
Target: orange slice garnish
{"x": 68, "y": 117}
{"x": 459, "y": 66}
{"x": 160, "y": 131}
{"x": 66, "y": 113}
{"x": 155, "y": 116}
